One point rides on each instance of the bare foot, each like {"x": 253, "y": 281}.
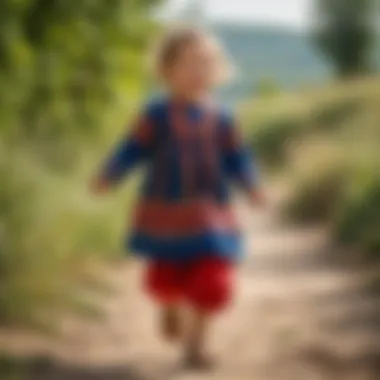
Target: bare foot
{"x": 199, "y": 362}
{"x": 171, "y": 326}
{"x": 195, "y": 346}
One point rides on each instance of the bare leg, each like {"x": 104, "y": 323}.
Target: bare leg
{"x": 195, "y": 345}
{"x": 171, "y": 322}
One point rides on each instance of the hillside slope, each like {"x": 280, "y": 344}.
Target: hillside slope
{"x": 283, "y": 56}
{"x": 326, "y": 144}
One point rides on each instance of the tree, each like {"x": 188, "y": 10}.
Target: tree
{"x": 64, "y": 66}
{"x": 64, "y": 63}
{"x": 345, "y": 32}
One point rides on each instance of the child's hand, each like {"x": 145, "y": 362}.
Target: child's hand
{"x": 99, "y": 186}
{"x": 257, "y": 198}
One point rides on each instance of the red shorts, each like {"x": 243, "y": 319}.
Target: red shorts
{"x": 206, "y": 284}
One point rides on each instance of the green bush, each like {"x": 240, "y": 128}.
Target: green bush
{"x": 49, "y": 234}
{"x": 314, "y": 198}
{"x": 270, "y": 140}
{"x": 329, "y": 148}
{"x": 332, "y": 115}
{"x": 68, "y": 73}
{"x": 358, "y": 220}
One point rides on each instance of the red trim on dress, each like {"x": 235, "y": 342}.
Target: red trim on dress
{"x": 183, "y": 218}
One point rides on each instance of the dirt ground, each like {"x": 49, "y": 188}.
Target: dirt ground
{"x": 299, "y": 315}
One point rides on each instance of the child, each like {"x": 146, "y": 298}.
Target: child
{"x": 184, "y": 225}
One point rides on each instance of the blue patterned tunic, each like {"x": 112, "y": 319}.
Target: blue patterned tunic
{"x": 192, "y": 155}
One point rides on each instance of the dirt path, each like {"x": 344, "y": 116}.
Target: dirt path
{"x": 297, "y": 316}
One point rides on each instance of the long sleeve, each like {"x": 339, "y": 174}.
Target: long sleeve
{"x": 238, "y": 160}
{"x": 133, "y": 149}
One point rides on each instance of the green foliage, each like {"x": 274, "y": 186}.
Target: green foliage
{"x": 63, "y": 66}
{"x": 332, "y": 114}
{"x": 10, "y": 369}
{"x": 17, "y": 368}
{"x": 315, "y": 197}
{"x": 42, "y": 255}
{"x": 358, "y": 222}
{"x": 270, "y": 139}
{"x": 345, "y": 33}
{"x": 277, "y": 130}
{"x": 331, "y": 159}
{"x": 69, "y": 70}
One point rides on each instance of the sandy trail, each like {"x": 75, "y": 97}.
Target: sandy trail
{"x": 298, "y": 315}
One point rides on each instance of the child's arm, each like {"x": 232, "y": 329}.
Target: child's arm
{"x": 239, "y": 161}
{"x": 136, "y": 147}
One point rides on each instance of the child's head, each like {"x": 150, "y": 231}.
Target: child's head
{"x": 190, "y": 62}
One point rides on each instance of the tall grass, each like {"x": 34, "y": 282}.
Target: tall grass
{"x": 51, "y": 231}
{"x": 327, "y": 141}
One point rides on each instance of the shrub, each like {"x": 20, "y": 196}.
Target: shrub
{"x": 328, "y": 145}
{"x": 331, "y": 115}
{"x": 271, "y": 138}
{"x": 46, "y": 244}
{"x": 315, "y": 196}
{"x": 358, "y": 220}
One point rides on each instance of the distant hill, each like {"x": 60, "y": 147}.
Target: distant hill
{"x": 283, "y": 56}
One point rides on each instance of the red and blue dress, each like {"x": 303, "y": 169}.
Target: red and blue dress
{"x": 193, "y": 155}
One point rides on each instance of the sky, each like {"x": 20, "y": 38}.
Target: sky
{"x": 292, "y": 13}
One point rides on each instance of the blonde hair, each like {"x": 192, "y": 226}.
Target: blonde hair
{"x": 176, "y": 39}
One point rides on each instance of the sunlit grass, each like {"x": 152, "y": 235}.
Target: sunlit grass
{"x": 52, "y": 229}
{"x": 327, "y": 141}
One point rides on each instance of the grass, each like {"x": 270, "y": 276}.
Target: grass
{"x": 51, "y": 233}
{"x": 327, "y": 142}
